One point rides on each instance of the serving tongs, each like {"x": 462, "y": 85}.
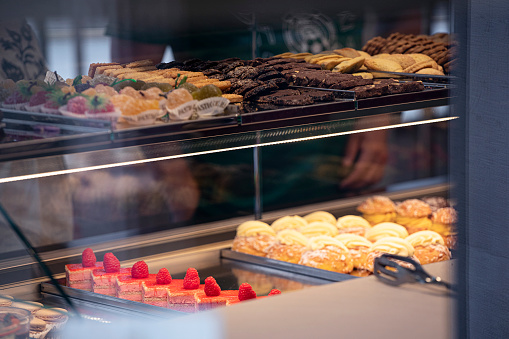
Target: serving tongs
{"x": 389, "y": 271}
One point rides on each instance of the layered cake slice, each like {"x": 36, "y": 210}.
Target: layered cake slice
{"x": 155, "y": 292}
{"x": 129, "y": 287}
{"x": 104, "y": 280}
{"x": 212, "y": 296}
{"x": 80, "y": 275}
{"x": 183, "y": 298}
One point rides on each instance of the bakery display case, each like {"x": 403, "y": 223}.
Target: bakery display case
{"x": 173, "y": 193}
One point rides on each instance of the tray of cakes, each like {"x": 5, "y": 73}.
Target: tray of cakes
{"x": 322, "y": 245}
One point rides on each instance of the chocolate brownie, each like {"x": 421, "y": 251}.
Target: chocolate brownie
{"x": 232, "y": 66}
{"x": 238, "y": 71}
{"x": 367, "y": 91}
{"x": 320, "y": 96}
{"x": 269, "y": 75}
{"x": 412, "y": 86}
{"x": 279, "y": 82}
{"x": 269, "y": 98}
{"x": 243, "y": 86}
{"x": 258, "y": 91}
{"x": 294, "y": 100}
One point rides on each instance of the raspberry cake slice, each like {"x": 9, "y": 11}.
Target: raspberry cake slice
{"x": 80, "y": 275}
{"x": 129, "y": 287}
{"x": 225, "y": 298}
{"x": 105, "y": 279}
{"x": 155, "y": 292}
{"x": 183, "y": 298}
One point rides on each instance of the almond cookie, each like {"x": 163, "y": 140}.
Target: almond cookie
{"x": 418, "y": 57}
{"x": 418, "y": 66}
{"x": 430, "y": 71}
{"x": 380, "y": 64}
{"x": 347, "y": 52}
{"x": 403, "y": 59}
{"x": 233, "y": 97}
{"x": 350, "y": 66}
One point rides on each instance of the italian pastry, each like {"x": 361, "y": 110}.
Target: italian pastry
{"x": 429, "y": 247}
{"x": 377, "y": 209}
{"x": 358, "y": 247}
{"x": 317, "y": 228}
{"x": 184, "y": 298}
{"x": 289, "y": 221}
{"x": 130, "y": 286}
{"x": 254, "y": 237}
{"x": 155, "y": 292}
{"x": 80, "y": 275}
{"x": 352, "y": 224}
{"x": 444, "y": 222}
{"x": 384, "y": 230}
{"x": 328, "y": 254}
{"x": 105, "y": 279}
{"x": 320, "y": 216}
{"x": 414, "y": 215}
{"x": 290, "y": 246}
{"x": 390, "y": 245}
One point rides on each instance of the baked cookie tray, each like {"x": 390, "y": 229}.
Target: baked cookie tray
{"x": 78, "y": 135}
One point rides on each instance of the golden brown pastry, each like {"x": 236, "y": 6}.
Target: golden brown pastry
{"x": 317, "y": 228}
{"x": 391, "y": 245}
{"x": 358, "y": 247}
{"x": 413, "y": 214}
{"x": 429, "y": 247}
{"x": 353, "y": 224}
{"x": 254, "y": 237}
{"x": 290, "y": 246}
{"x": 289, "y": 222}
{"x": 329, "y": 254}
{"x": 381, "y": 64}
{"x": 320, "y": 216}
{"x": 377, "y": 209}
{"x": 444, "y": 223}
{"x": 384, "y": 230}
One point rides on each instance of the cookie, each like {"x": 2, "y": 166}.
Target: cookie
{"x": 430, "y": 71}
{"x": 31, "y": 306}
{"x": 350, "y": 66}
{"x": 380, "y": 64}
{"x": 418, "y": 66}
{"x": 233, "y": 97}
{"x": 347, "y": 52}
{"x": 37, "y": 325}
{"x": 52, "y": 315}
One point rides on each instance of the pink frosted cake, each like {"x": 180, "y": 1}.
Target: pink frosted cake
{"x": 204, "y": 302}
{"x": 80, "y": 275}
{"x": 105, "y": 279}
{"x": 129, "y": 287}
{"x": 156, "y": 292}
{"x": 183, "y": 298}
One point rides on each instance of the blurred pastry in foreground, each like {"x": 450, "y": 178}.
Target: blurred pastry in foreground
{"x": 436, "y": 203}
{"x": 429, "y": 247}
{"x": 413, "y": 214}
{"x": 320, "y": 216}
{"x": 353, "y": 224}
{"x": 254, "y": 237}
{"x": 289, "y": 222}
{"x": 317, "y": 228}
{"x": 384, "y": 230}
{"x": 358, "y": 247}
{"x": 391, "y": 245}
{"x": 377, "y": 209}
{"x": 444, "y": 223}
{"x": 290, "y": 246}
{"x": 328, "y": 254}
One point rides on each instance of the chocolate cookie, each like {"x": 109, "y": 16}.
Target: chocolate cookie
{"x": 294, "y": 100}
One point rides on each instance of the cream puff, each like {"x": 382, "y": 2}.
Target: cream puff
{"x": 384, "y": 230}
{"x": 414, "y": 215}
{"x": 254, "y": 237}
{"x": 290, "y": 246}
{"x": 390, "y": 245}
{"x": 429, "y": 247}
{"x": 289, "y": 222}
{"x": 320, "y": 216}
{"x": 328, "y": 254}
{"x": 353, "y": 224}
{"x": 444, "y": 223}
{"x": 358, "y": 247}
{"x": 317, "y": 228}
{"x": 377, "y": 209}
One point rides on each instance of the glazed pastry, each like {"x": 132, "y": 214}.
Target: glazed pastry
{"x": 358, "y": 247}
{"x": 289, "y": 222}
{"x": 429, "y": 247}
{"x": 353, "y": 224}
{"x": 444, "y": 223}
{"x": 413, "y": 214}
{"x": 386, "y": 229}
{"x": 254, "y": 237}
{"x": 378, "y": 209}
{"x": 290, "y": 246}
{"x": 320, "y": 216}
{"x": 329, "y": 254}
{"x": 391, "y": 245}
{"x": 317, "y": 228}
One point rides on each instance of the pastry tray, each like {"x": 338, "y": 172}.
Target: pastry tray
{"x": 426, "y": 78}
{"x": 285, "y": 266}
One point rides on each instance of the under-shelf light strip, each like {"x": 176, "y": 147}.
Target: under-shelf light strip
{"x": 135, "y": 162}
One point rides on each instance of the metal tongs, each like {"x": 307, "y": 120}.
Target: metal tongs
{"x": 390, "y": 272}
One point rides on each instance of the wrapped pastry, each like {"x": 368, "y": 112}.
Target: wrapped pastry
{"x": 358, "y": 247}
{"x": 317, "y": 228}
{"x": 429, "y": 247}
{"x": 391, "y": 245}
{"x": 289, "y": 246}
{"x": 414, "y": 215}
{"x": 254, "y": 237}
{"x": 329, "y": 254}
{"x": 377, "y": 209}
{"x": 353, "y": 224}
{"x": 444, "y": 223}
{"x": 320, "y": 216}
{"x": 289, "y": 222}
{"x": 384, "y": 230}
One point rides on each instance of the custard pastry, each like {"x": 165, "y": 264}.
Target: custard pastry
{"x": 386, "y": 229}
{"x": 429, "y": 247}
{"x": 328, "y": 254}
{"x": 289, "y": 222}
{"x": 290, "y": 246}
{"x": 377, "y": 209}
{"x": 358, "y": 247}
{"x": 353, "y": 224}
{"x": 413, "y": 214}
{"x": 390, "y": 245}
{"x": 317, "y": 228}
{"x": 444, "y": 222}
{"x": 254, "y": 237}
{"x": 320, "y": 216}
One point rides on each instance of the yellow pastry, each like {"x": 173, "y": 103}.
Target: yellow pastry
{"x": 444, "y": 222}
{"x": 386, "y": 229}
{"x": 391, "y": 245}
{"x": 429, "y": 247}
{"x": 353, "y": 224}
{"x": 290, "y": 246}
{"x": 414, "y": 215}
{"x": 377, "y": 209}
{"x": 357, "y": 246}
{"x": 254, "y": 237}
{"x": 329, "y": 254}
{"x": 320, "y": 216}
{"x": 317, "y": 228}
{"x": 289, "y": 222}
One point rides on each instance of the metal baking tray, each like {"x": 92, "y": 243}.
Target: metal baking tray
{"x": 430, "y": 78}
{"x": 56, "y": 119}
{"x": 285, "y": 266}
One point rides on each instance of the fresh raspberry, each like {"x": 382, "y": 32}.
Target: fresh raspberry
{"x": 139, "y": 270}
{"x": 274, "y": 292}
{"x": 246, "y": 292}
{"x": 111, "y": 263}
{"x": 88, "y": 258}
{"x": 163, "y": 277}
{"x": 192, "y": 279}
{"x": 212, "y": 289}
